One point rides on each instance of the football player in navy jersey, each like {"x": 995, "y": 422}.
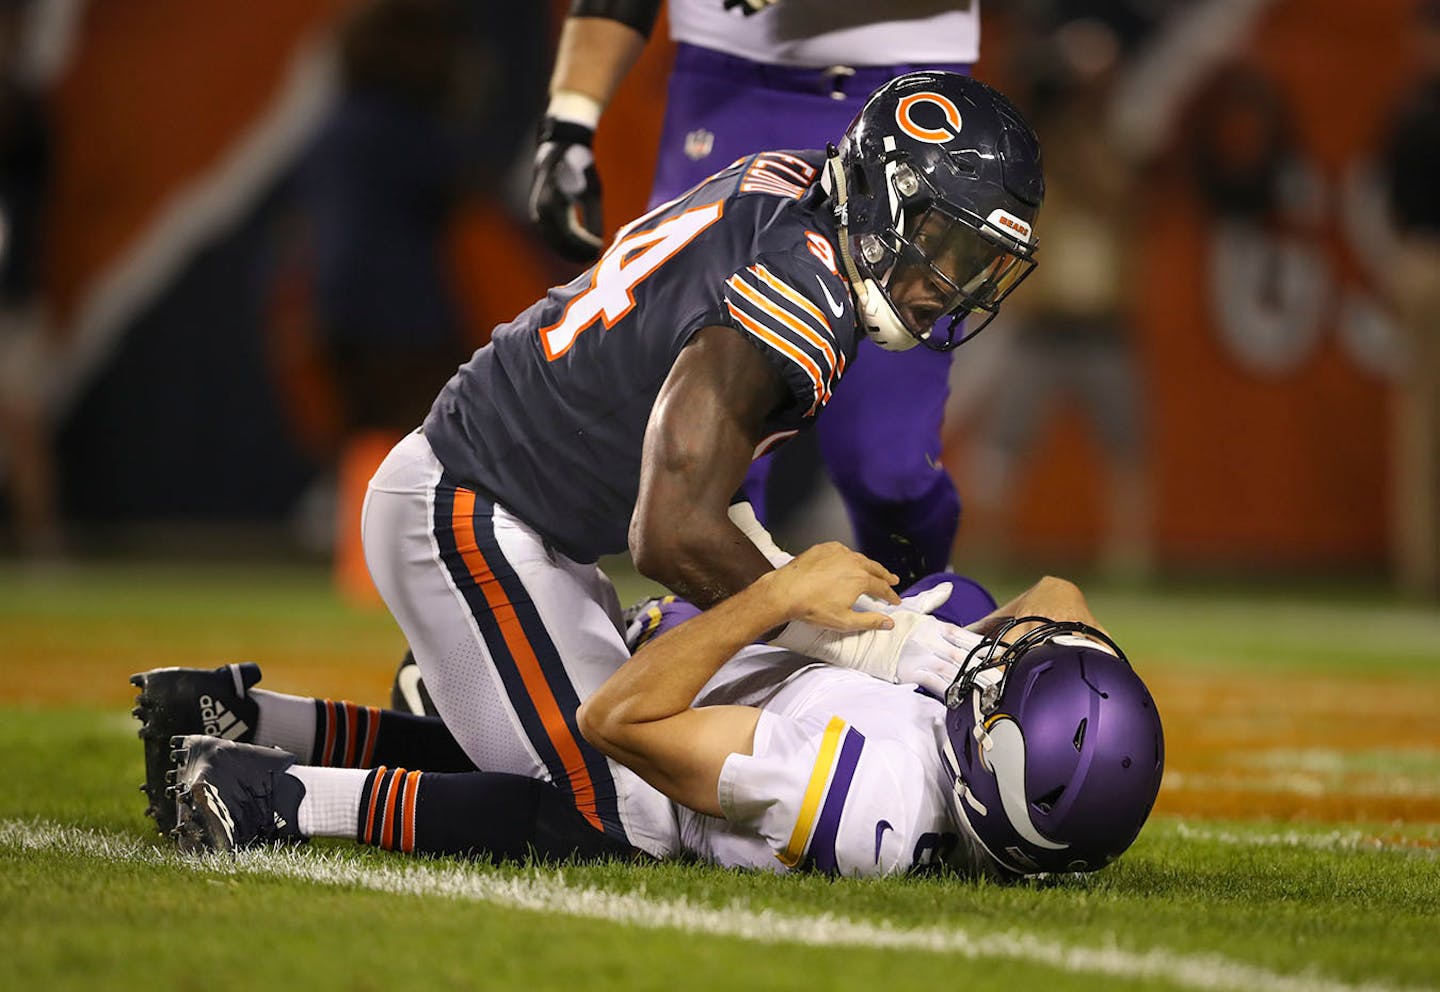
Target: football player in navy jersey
{"x": 791, "y": 74}
{"x": 623, "y": 409}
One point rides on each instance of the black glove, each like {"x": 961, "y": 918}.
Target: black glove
{"x": 565, "y": 193}
{"x": 748, "y": 7}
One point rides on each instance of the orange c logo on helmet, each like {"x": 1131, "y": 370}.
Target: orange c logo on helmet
{"x": 934, "y": 135}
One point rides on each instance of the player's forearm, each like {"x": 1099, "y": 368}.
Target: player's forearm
{"x": 642, "y": 716}
{"x": 820, "y": 586}
{"x": 1055, "y": 599}
{"x": 703, "y": 558}
{"x": 664, "y": 676}
{"x": 594, "y": 55}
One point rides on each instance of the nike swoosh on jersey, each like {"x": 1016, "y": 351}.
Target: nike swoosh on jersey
{"x": 880, "y": 829}
{"x": 838, "y": 309}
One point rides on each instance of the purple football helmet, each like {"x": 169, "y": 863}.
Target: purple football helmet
{"x": 1056, "y": 748}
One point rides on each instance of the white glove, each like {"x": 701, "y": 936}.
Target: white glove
{"x": 919, "y": 649}
{"x": 922, "y": 602}
{"x": 742, "y": 515}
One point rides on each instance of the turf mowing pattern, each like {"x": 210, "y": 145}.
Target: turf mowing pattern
{"x": 1295, "y": 844}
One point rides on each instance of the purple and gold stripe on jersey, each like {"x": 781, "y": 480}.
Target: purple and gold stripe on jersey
{"x": 817, "y": 826}
{"x": 785, "y": 321}
{"x": 387, "y": 809}
{"x": 345, "y": 734}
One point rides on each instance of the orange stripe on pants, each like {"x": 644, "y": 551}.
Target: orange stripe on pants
{"x": 523, "y": 654}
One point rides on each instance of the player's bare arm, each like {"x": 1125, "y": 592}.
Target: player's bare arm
{"x": 1051, "y": 597}
{"x": 598, "y": 45}
{"x": 707, "y": 420}
{"x": 642, "y": 716}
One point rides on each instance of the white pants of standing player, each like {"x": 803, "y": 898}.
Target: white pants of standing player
{"x": 509, "y": 635}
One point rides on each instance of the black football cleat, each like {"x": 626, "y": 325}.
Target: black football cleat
{"x": 229, "y": 795}
{"x": 179, "y": 701}
{"x": 408, "y": 693}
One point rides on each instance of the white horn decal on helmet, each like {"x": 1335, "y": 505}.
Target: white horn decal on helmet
{"x": 1006, "y": 759}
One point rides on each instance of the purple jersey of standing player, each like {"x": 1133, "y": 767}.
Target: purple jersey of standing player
{"x": 549, "y": 418}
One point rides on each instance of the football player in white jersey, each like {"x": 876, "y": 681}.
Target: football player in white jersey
{"x": 1044, "y": 754}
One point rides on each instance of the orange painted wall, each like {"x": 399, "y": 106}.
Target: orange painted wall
{"x": 1288, "y": 470}
{"x": 156, "y": 92}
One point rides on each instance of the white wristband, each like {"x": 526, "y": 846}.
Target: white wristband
{"x": 577, "y": 108}
{"x": 742, "y": 515}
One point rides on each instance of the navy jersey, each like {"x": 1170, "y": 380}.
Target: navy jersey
{"x": 549, "y": 418}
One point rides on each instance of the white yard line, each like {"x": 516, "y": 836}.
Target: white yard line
{"x": 548, "y": 892}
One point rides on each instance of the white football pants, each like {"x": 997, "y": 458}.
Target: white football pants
{"x": 509, "y": 634}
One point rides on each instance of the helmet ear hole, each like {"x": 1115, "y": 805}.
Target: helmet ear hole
{"x": 1047, "y": 802}
{"x": 860, "y": 183}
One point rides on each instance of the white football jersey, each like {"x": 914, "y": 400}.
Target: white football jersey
{"x": 846, "y": 775}
{"x": 835, "y": 32}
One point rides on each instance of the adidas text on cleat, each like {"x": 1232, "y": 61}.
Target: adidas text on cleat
{"x": 179, "y": 701}
{"x": 229, "y": 795}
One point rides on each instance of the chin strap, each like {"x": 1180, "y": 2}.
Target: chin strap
{"x": 882, "y": 325}
{"x": 835, "y": 176}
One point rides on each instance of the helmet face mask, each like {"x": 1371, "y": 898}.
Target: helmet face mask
{"x": 941, "y": 186}
{"x": 946, "y": 276}
{"x": 1056, "y": 748}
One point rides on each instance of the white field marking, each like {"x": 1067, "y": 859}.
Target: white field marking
{"x": 547, "y": 892}
{"x": 1333, "y": 840}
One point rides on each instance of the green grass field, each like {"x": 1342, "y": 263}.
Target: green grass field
{"x": 1294, "y": 847}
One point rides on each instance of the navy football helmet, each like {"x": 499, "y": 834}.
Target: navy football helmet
{"x": 1056, "y": 748}
{"x": 936, "y": 184}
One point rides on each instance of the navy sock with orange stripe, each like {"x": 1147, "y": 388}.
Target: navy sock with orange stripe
{"x": 348, "y": 735}
{"x": 478, "y": 814}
